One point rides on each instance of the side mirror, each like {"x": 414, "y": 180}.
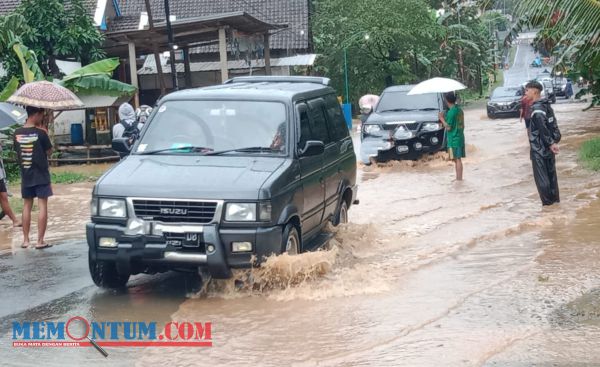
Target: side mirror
{"x": 312, "y": 148}
{"x": 121, "y": 145}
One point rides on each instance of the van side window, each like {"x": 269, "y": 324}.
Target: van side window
{"x": 336, "y": 122}
{"x": 318, "y": 123}
{"x": 305, "y": 133}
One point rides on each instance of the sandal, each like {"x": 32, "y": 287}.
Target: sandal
{"x": 25, "y": 245}
{"x": 42, "y": 246}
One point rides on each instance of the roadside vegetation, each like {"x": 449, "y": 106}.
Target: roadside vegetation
{"x": 390, "y": 42}
{"x": 590, "y": 154}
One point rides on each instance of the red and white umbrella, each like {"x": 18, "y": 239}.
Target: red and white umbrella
{"x": 47, "y": 95}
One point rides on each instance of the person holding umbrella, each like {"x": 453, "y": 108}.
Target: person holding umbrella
{"x": 454, "y": 122}
{"x": 33, "y": 147}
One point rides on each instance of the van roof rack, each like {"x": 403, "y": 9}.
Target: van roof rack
{"x": 278, "y": 79}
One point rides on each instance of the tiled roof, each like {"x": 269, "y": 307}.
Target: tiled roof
{"x": 294, "y": 13}
{"x": 6, "y": 6}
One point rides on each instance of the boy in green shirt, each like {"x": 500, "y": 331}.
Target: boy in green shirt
{"x": 454, "y": 122}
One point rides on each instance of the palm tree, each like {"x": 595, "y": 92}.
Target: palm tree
{"x": 578, "y": 41}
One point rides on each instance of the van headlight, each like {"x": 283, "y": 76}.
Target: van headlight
{"x": 115, "y": 208}
{"x": 431, "y": 126}
{"x": 240, "y": 212}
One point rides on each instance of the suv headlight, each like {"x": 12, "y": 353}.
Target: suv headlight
{"x": 372, "y": 129}
{"x": 115, "y": 208}
{"x": 431, "y": 126}
{"x": 240, "y": 212}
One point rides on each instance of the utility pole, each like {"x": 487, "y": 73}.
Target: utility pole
{"x": 171, "y": 46}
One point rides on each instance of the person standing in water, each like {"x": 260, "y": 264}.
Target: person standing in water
{"x": 454, "y": 122}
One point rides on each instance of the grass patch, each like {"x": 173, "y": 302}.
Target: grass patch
{"x": 590, "y": 154}
{"x": 69, "y": 177}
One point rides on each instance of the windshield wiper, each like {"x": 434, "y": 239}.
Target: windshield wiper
{"x": 399, "y": 110}
{"x": 428, "y": 109}
{"x": 247, "y": 150}
{"x": 175, "y": 149}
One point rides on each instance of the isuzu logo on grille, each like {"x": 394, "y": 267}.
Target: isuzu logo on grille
{"x": 173, "y": 211}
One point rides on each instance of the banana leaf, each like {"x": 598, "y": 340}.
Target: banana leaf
{"x": 102, "y": 67}
{"x": 101, "y": 85}
{"x": 10, "y": 89}
{"x": 31, "y": 70}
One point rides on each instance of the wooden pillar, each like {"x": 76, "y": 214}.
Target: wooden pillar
{"x": 223, "y": 55}
{"x": 267, "y": 55}
{"x": 133, "y": 72}
{"x": 187, "y": 68}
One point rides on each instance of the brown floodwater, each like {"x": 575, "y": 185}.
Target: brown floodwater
{"x": 429, "y": 272}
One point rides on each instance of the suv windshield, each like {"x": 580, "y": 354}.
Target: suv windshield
{"x": 244, "y": 127}
{"x": 505, "y": 92}
{"x": 400, "y": 101}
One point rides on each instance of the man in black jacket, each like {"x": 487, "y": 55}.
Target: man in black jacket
{"x": 543, "y": 141}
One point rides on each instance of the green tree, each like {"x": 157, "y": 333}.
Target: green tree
{"x": 52, "y": 30}
{"x": 387, "y": 41}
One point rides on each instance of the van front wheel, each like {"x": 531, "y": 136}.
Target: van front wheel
{"x": 290, "y": 240}
{"x": 105, "y": 275}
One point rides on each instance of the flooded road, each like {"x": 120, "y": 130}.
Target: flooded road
{"x": 429, "y": 272}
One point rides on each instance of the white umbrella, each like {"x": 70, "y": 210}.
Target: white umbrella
{"x": 437, "y": 85}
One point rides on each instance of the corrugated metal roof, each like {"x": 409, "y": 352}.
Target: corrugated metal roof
{"x": 149, "y": 67}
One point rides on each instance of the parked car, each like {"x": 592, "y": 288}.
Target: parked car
{"x": 549, "y": 90}
{"x": 505, "y": 102}
{"x": 221, "y": 176}
{"x": 403, "y": 126}
{"x": 560, "y": 86}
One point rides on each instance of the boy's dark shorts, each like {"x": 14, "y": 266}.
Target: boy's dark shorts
{"x": 39, "y": 191}
{"x": 3, "y": 185}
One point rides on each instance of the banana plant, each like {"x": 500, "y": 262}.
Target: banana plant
{"x": 96, "y": 78}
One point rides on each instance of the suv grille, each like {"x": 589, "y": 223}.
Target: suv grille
{"x": 175, "y": 211}
{"x": 410, "y": 126}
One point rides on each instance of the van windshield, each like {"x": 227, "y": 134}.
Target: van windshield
{"x": 205, "y": 127}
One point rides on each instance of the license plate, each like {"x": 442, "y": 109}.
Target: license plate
{"x": 190, "y": 239}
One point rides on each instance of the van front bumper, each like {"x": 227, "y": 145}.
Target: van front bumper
{"x": 213, "y": 251}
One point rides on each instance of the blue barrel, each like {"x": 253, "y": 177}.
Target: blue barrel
{"x": 76, "y": 133}
{"x": 347, "y": 108}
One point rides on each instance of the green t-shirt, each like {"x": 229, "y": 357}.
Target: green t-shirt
{"x": 455, "y": 118}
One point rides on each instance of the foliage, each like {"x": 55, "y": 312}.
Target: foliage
{"x": 11, "y": 87}
{"x": 96, "y": 78}
{"x": 590, "y": 154}
{"x": 69, "y": 177}
{"x": 400, "y": 41}
{"x": 571, "y": 32}
{"x": 9, "y": 156}
{"x": 47, "y": 30}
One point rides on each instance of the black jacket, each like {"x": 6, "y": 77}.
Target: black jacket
{"x": 541, "y": 131}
